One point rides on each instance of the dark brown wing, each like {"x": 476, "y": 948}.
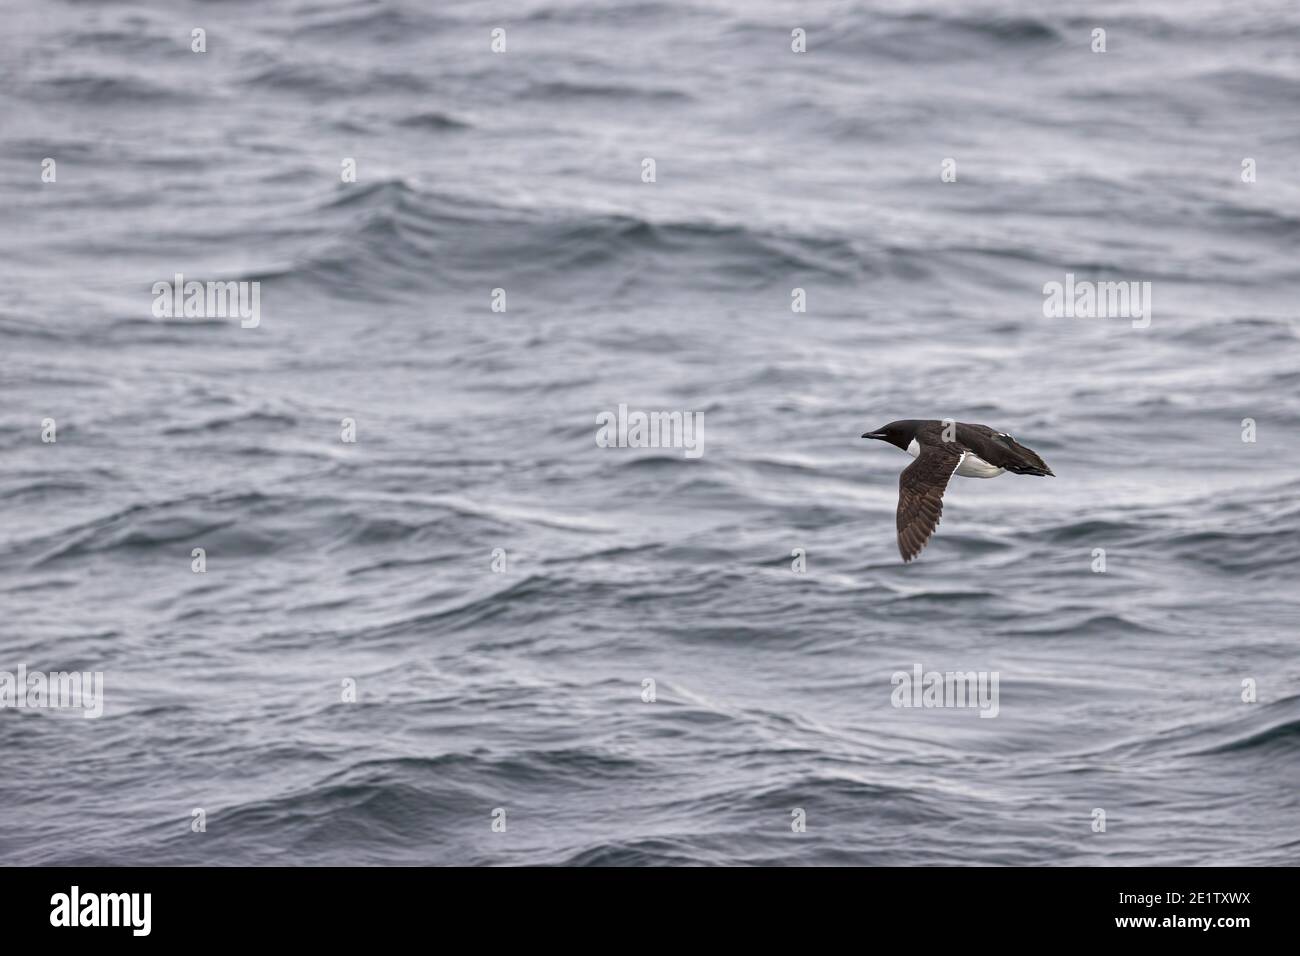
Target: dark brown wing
{"x": 920, "y": 495}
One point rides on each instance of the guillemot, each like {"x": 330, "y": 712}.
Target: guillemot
{"x": 943, "y": 449}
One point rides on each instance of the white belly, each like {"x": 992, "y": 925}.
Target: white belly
{"x": 972, "y": 466}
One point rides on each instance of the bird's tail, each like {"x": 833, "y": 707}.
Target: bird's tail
{"x": 1029, "y": 463}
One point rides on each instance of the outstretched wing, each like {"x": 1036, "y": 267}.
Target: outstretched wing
{"x": 920, "y": 495}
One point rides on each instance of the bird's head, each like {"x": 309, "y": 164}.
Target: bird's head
{"x": 896, "y": 433}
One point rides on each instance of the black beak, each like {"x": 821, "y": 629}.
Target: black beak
{"x": 873, "y": 435}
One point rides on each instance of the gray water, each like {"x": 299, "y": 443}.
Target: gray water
{"x": 520, "y": 688}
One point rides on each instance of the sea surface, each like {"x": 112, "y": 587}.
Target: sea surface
{"x": 563, "y": 653}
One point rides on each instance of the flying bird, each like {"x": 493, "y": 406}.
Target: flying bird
{"x": 943, "y": 449}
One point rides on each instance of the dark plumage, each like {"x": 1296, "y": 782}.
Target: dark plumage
{"x": 942, "y": 450}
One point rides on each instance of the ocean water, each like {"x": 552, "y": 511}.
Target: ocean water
{"x": 494, "y": 587}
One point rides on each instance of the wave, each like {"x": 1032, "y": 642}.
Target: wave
{"x": 577, "y": 90}
{"x": 255, "y": 420}
{"x": 395, "y": 238}
{"x": 1251, "y": 551}
{"x": 331, "y": 79}
{"x": 651, "y": 851}
{"x": 432, "y": 121}
{"x": 380, "y": 22}
{"x": 1261, "y": 728}
{"x": 1282, "y": 736}
{"x": 16, "y": 328}
{"x": 143, "y": 527}
{"x": 136, "y": 41}
{"x": 928, "y": 36}
{"x": 1003, "y": 29}
{"x": 616, "y": 15}
{"x": 114, "y": 90}
{"x": 415, "y": 807}
{"x": 246, "y": 524}
{"x": 1254, "y": 86}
